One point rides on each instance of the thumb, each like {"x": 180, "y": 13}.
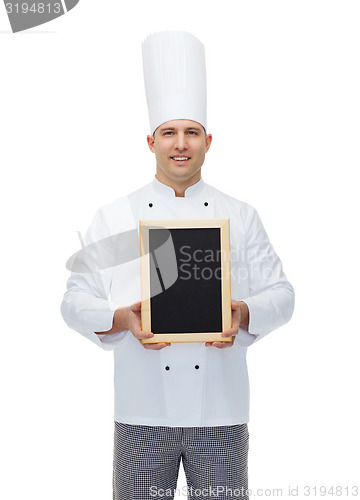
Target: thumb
{"x": 234, "y": 305}
{"x": 136, "y": 307}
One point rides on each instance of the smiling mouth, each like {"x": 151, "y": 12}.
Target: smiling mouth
{"x": 180, "y": 158}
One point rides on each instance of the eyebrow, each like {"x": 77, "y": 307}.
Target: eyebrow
{"x": 198, "y": 129}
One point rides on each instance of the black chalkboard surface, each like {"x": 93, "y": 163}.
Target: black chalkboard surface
{"x": 185, "y": 279}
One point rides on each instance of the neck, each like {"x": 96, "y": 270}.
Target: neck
{"x": 179, "y": 186}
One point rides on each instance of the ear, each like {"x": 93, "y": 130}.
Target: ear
{"x": 208, "y": 141}
{"x": 150, "y": 141}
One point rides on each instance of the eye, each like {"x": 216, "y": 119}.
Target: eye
{"x": 192, "y": 132}
{"x": 168, "y": 132}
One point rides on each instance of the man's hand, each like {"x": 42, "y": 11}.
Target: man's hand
{"x": 134, "y": 325}
{"x": 129, "y": 318}
{"x": 239, "y": 317}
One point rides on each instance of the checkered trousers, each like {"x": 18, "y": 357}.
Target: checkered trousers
{"x": 147, "y": 460}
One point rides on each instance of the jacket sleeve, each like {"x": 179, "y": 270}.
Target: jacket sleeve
{"x": 86, "y": 307}
{"x": 271, "y": 296}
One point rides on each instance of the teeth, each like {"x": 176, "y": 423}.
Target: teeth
{"x": 180, "y": 158}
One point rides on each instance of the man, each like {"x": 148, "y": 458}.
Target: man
{"x": 176, "y": 401}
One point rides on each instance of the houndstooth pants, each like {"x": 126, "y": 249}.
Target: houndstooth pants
{"x": 147, "y": 460}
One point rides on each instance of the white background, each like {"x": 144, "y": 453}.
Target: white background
{"x": 284, "y": 107}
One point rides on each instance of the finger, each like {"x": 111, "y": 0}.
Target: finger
{"x": 220, "y": 344}
{"x": 234, "y": 305}
{"x": 230, "y": 333}
{"x": 136, "y": 307}
{"x": 140, "y": 334}
{"x": 223, "y": 345}
{"x": 156, "y": 347}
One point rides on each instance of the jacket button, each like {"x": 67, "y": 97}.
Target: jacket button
{"x": 197, "y": 367}
{"x": 150, "y": 205}
{"x": 206, "y": 203}
{"x": 167, "y": 367}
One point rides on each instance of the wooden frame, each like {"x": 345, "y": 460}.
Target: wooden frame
{"x": 148, "y": 262}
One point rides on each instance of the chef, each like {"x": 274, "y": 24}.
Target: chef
{"x": 179, "y": 401}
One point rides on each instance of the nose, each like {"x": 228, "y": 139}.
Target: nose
{"x": 180, "y": 142}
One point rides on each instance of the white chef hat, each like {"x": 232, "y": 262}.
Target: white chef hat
{"x": 175, "y": 78}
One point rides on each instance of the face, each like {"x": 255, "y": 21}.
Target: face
{"x": 180, "y": 147}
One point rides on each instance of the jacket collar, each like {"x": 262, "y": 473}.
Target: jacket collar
{"x": 165, "y": 190}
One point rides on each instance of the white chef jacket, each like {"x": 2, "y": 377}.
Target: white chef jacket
{"x": 165, "y": 387}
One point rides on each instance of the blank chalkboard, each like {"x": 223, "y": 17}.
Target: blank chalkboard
{"x": 185, "y": 278}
